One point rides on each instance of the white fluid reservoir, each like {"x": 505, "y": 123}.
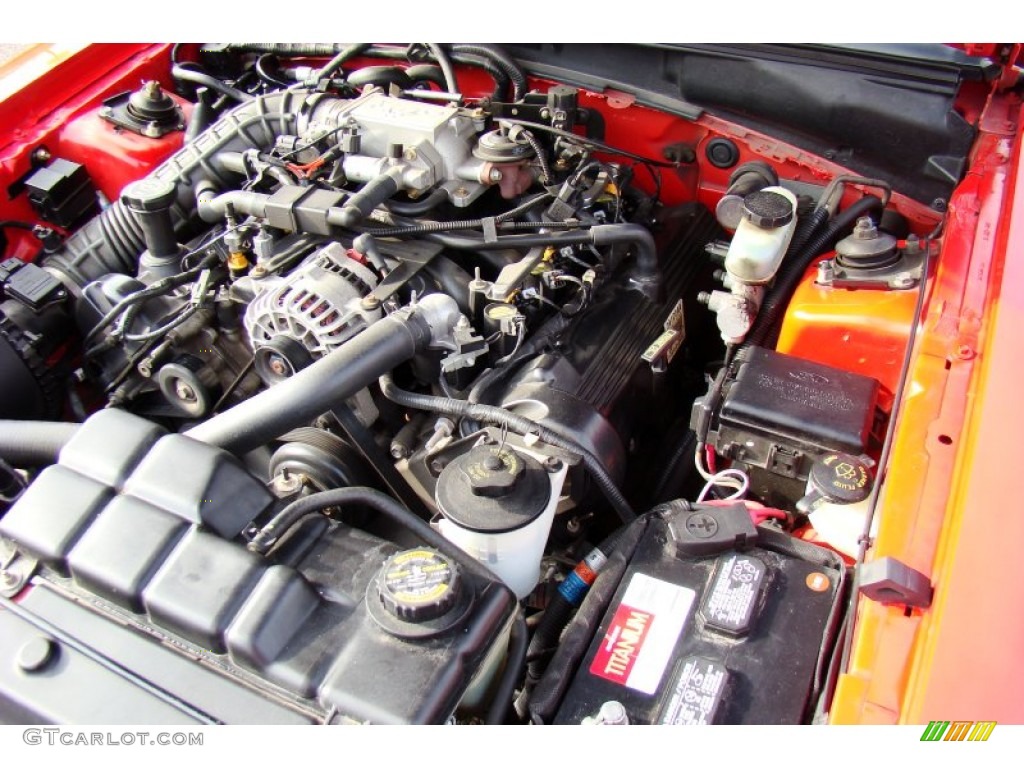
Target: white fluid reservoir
{"x": 497, "y": 505}
{"x": 762, "y": 237}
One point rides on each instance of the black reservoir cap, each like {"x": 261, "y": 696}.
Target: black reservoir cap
{"x": 767, "y": 210}
{"x": 841, "y": 478}
{"x": 149, "y": 194}
{"x": 493, "y": 490}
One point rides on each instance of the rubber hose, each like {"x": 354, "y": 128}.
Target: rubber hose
{"x": 500, "y": 416}
{"x": 425, "y": 73}
{"x": 286, "y": 49}
{"x": 553, "y": 622}
{"x": 497, "y": 714}
{"x": 418, "y": 207}
{"x": 774, "y": 307}
{"x": 183, "y": 72}
{"x": 109, "y": 242}
{"x": 317, "y": 388}
{"x": 502, "y": 60}
{"x": 112, "y": 241}
{"x": 549, "y": 630}
{"x": 261, "y": 67}
{"x": 34, "y": 443}
{"x": 340, "y": 58}
{"x": 451, "y": 84}
{"x": 380, "y": 503}
{"x": 501, "y": 81}
{"x": 383, "y": 77}
{"x": 806, "y": 229}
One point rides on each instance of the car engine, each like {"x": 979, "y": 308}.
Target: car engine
{"x": 417, "y": 384}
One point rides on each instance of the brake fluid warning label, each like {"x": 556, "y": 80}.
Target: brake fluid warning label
{"x": 696, "y": 694}
{"x": 643, "y": 633}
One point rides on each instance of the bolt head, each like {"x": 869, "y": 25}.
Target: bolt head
{"x": 903, "y": 280}
{"x": 552, "y": 464}
{"x": 278, "y": 365}
{"x": 37, "y": 654}
{"x": 184, "y": 391}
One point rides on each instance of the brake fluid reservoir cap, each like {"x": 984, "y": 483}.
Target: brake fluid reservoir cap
{"x": 767, "y": 210}
{"x": 841, "y": 478}
{"x": 417, "y": 585}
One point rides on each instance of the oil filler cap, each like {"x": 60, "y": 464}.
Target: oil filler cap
{"x": 418, "y": 585}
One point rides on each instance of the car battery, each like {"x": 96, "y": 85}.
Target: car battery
{"x": 713, "y": 621}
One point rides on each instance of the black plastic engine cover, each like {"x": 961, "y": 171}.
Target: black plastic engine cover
{"x": 136, "y": 526}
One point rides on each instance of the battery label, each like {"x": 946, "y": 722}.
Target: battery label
{"x": 643, "y": 633}
{"x": 697, "y": 693}
{"x": 729, "y": 605}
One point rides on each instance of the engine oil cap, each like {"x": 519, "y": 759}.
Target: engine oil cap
{"x": 418, "y": 585}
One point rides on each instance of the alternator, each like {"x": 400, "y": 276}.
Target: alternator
{"x": 305, "y": 315}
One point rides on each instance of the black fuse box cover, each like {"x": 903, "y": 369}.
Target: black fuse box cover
{"x": 726, "y": 638}
{"x": 780, "y": 412}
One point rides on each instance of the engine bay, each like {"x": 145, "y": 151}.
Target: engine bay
{"x": 413, "y": 384}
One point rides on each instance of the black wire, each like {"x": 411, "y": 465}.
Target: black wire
{"x": 15, "y": 224}
{"x": 599, "y": 145}
{"x": 261, "y": 70}
{"x": 446, "y": 66}
{"x": 656, "y": 176}
{"x": 313, "y": 143}
{"x": 233, "y": 385}
{"x": 156, "y": 289}
{"x": 130, "y": 365}
{"x": 167, "y": 327}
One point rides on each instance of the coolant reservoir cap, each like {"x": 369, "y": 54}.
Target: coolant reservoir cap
{"x": 767, "y": 209}
{"x": 417, "y": 585}
{"x": 493, "y": 489}
{"x": 841, "y": 478}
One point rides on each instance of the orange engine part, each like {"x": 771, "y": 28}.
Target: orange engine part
{"x": 859, "y": 330}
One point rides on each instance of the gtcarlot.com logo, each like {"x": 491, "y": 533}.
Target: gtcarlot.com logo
{"x": 958, "y": 730}
{"x": 53, "y": 737}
